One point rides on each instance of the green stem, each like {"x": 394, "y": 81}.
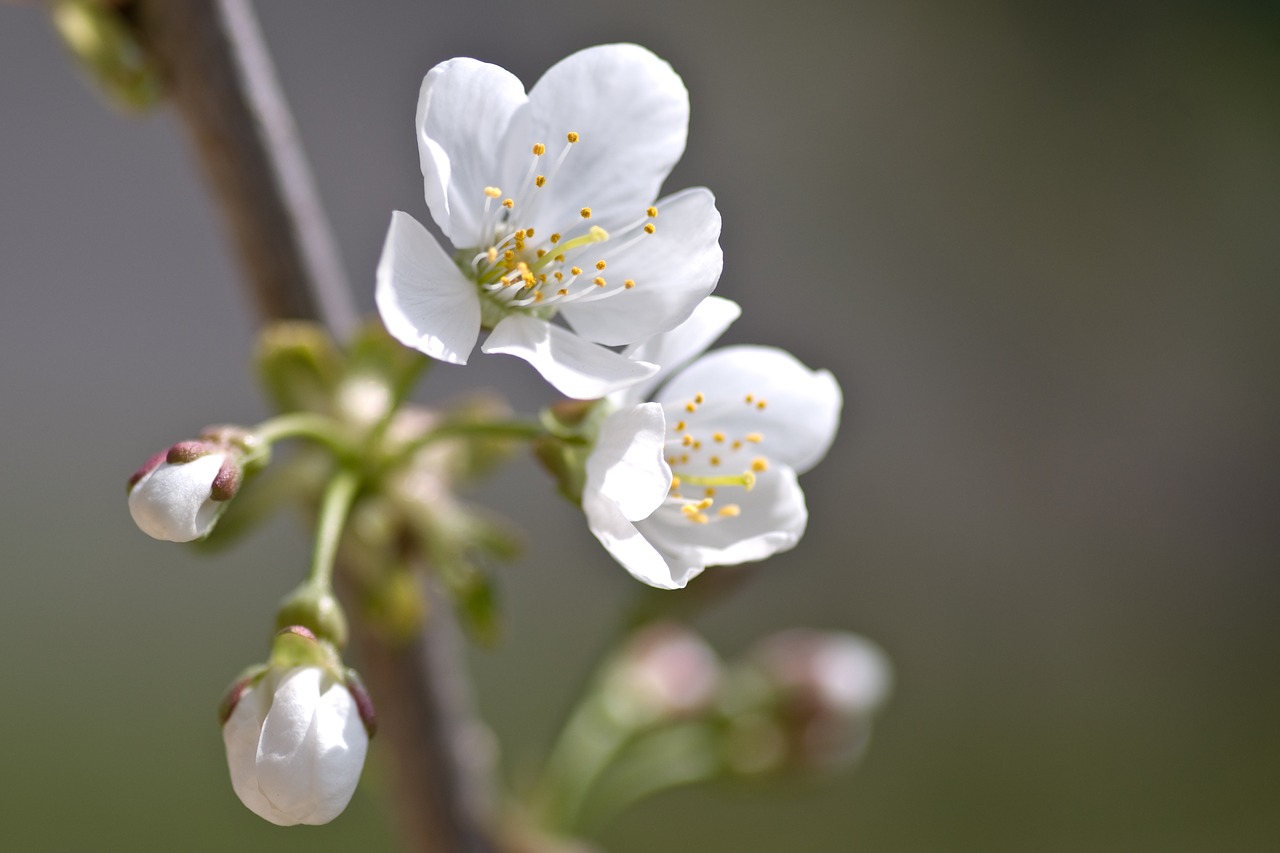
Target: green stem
{"x": 491, "y": 430}
{"x": 587, "y": 745}
{"x": 319, "y": 428}
{"x": 337, "y": 501}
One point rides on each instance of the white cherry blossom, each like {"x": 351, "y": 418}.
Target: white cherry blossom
{"x": 548, "y": 201}
{"x": 705, "y": 474}
{"x": 179, "y": 495}
{"x": 296, "y": 744}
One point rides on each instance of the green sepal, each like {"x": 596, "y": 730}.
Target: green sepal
{"x": 299, "y": 366}
{"x": 296, "y": 646}
{"x": 566, "y": 463}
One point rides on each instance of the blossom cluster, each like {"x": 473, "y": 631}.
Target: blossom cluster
{"x": 559, "y": 246}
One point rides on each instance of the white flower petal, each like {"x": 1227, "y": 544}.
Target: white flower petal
{"x": 625, "y": 543}
{"x": 802, "y": 406}
{"x": 772, "y": 519}
{"x": 674, "y": 269}
{"x": 631, "y": 111}
{"x": 577, "y": 368}
{"x": 340, "y": 743}
{"x": 464, "y": 108}
{"x": 425, "y": 301}
{"x": 174, "y": 502}
{"x": 286, "y": 764}
{"x": 674, "y": 349}
{"x": 626, "y": 466}
{"x": 240, "y": 735}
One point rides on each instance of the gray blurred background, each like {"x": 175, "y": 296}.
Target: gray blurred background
{"x": 1039, "y": 246}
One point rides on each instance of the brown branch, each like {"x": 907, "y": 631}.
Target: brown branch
{"x": 220, "y": 79}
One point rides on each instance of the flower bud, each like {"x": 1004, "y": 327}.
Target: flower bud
{"x": 828, "y": 685}
{"x": 664, "y": 672}
{"x": 296, "y": 735}
{"x": 177, "y": 496}
{"x": 179, "y": 493}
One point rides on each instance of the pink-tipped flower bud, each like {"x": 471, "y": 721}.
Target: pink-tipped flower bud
{"x": 179, "y": 493}
{"x": 297, "y": 733}
{"x": 828, "y": 685}
{"x": 664, "y": 672}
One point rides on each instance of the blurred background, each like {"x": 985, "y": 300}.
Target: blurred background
{"x": 1038, "y": 244}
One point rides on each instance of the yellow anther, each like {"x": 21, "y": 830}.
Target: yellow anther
{"x": 559, "y": 259}
{"x": 537, "y": 297}
{"x": 684, "y": 458}
{"x": 686, "y": 440}
{"x": 598, "y": 281}
{"x": 652, "y": 212}
{"x": 572, "y": 137}
{"x": 751, "y": 398}
{"x": 542, "y": 277}
{"x": 715, "y": 460}
{"x": 759, "y": 464}
{"x": 555, "y": 238}
{"x": 522, "y": 267}
{"x": 539, "y": 149}
{"x": 737, "y": 445}
{"x": 699, "y": 398}
{"x": 540, "y": 181}
{"x": 492, "y": 192}
{"x": 492, "y": 254}
{"x": 689, "y": 509}
{"x": 585, "y": 213}
{"x": 508, "y": 203}
{"x": 709, "y": 491}
{"x": 760, "y": 404}
{"x": 680, "y": 425}
{"x": 718, "y": 437}
{"x": 559, "y": 275}
{"x": 705, "y": 503}
{"x": 675, "y": 480}
{"x": 520, "y": 235}
{"x": 562, "y": 292}
{"x": 508, "y": 256}
{"x": 576, "y": 270}
{"x": 699, "y": 518}
{"x": 629, "y": 283}
{"x": 754, "y": 437}
{"x": 730, "y": 510}
{"x": 671, "y": 460}
{"x": 697, "y": 445}
{"x": 529, "y": 233}
{"x": 690, "y": 408}
{"x": 541, "y": 252}
{"x": 600, "y": 265}
{"x": 649, "y": 228}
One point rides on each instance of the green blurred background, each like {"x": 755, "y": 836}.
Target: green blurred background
{"x": 1039, "y": 246}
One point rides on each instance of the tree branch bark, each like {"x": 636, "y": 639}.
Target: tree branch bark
{"x": 220, "y": 79}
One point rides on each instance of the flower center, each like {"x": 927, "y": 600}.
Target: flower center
{"x": 705, "y": 460}
{"x": 523, "y": 269}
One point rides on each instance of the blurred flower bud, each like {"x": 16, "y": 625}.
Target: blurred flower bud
{"x": 828, "y": 685}
{"x": 296, "y": 732}
{"x": 316, "y": 608}
{"x": 664, "y": 672}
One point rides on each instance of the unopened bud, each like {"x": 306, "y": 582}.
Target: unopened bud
{"x": 317, "y": 610}
{"x": 664, "y": 672}
{"x": 179, "y": 495}
{"x": 828, "y": 687}
{"x": 296, "y": 733}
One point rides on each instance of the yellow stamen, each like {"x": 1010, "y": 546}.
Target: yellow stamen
{"x": 730, "y": 510}
{"x": 715, "y": 460}
{"x": 598, "y": 281}
{"x": 492, "y": 192}
{"x": 649, "y": 228}
{"x": 585, "y": 213}
{"x": 508, "y": 203}
{"x": 652, "y": 212}
{"x": 759, "y": 464}
{"x": 718, "y": 437}
{"x": 761, "y": 404}
{"x": 699, "y": 398}
{"x": 555, "y": 238}
{"x": 572, "y": 137}
{"x": 492, "y": 255}
{"x": 754, "y": 437}
{"x": 600, "y": 265}
{"x": 680, "y": 425}
{"x": 540, "y": 181}
{"x": 562, "y": 292}
{"x": 576, "y": 270}
{"x": 629, "y": 283}
{"x": 539, "y": 149}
